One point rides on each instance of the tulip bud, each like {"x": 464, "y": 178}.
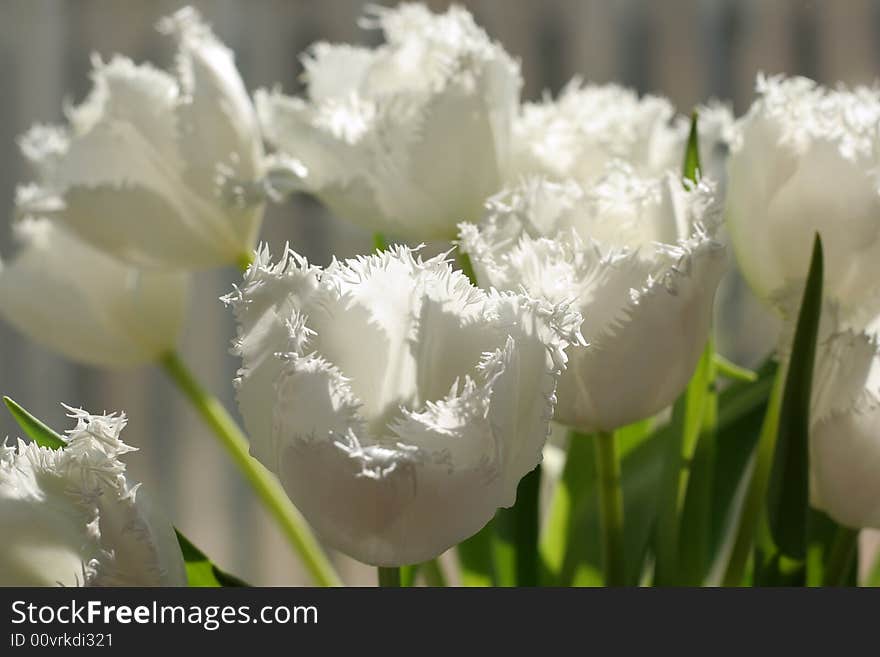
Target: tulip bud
{"x": 804, "y": 160}
{"x": 86, "y": 305}
{"x": 70, "y": 516}
{"x": 398, "y": 404}
{"x": 408, "y": 138}
{"x": 156, "y": 170}
{"x": 636, "y": 257}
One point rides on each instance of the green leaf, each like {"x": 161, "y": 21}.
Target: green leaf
{"x": 741, "y": 409}
{"x": 379, "y": 243}
{"x": 691, "y": 168}
{"x": 788, "y": 490}
{"x": 41, "y": 434}
{"x": 732, "y": 371}
{"x": 200, "y": 572}
{"x": 873, "y": 578}
{"x": 515, "y": 544}
{"x": 464, "y": 261}
{"x": 683, "y": 529}
{"x": 568, "y": 550}
{"x": 570, "y": 544}
{"x": 682, "y": 437}
{"x": 748, "y": 523}
{"x": 697, "y": 512}
{"x": 476, "y": 560}
{"x": 832, "y": 552}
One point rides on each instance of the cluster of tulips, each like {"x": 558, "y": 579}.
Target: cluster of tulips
{"x": 398, "y": 404}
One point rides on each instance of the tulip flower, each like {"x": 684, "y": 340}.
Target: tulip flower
{"x": 804, "y": 160}
{"x": 637, "y": 258}
{"x": 71, "y": 517}
{"x": 86, "y": 305}
{"x": 398, "y": 404}
{"x": 408, "y": 138}
{"x": 157, "y": 170}
{"x": 845, "y": 430}
{"x": 588, "y": 126}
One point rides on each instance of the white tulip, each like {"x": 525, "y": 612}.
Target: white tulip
{"x": 637, "y": 258}
{"x": 70, "y": 516}
{"x": 86, "y": 305}
{"x": 587, "y": 126}
{"x": 157, "y": 170}
{"x": 845, "y": 430}
{"x": 804, "y": 159}
{"x": 398, "y": 404}
{"x": 408, "y": 138}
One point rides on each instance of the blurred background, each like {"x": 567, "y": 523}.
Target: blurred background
{"x": 688, "y": 50}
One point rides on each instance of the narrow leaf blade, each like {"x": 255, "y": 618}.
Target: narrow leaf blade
{"x": 200, "y": 571}
{"x": 741, "y": 410}
{"x": 788, "y": 491}
{"x": 732, "y": 371}
{"x": 35, "y": 429}
{"x": 691, "y": 169}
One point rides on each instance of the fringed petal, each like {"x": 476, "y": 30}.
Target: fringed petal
{"x": 74, "y": 519}
{"x": 412, "y": 404}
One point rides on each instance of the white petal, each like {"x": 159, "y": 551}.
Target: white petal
{"x": 847, "y": 365}
{"x": 641, "y": 360}
{"x": 137, "y": 95}
{"x": 218, "y": 124}
{"x": 384, "y": 504}
{"x": 327, "y": 140}
{"x": 415, "y": 136}
{"x": 333, "y": 70}
{"x": 111, "y": 187}
{"x": 195, "y": 184}
{"x": 74, "y": 519}
{"x": 86, "y": 305}
{"x": 133, "y": 223}
{"x": 845, "y": 429}
{"x": 588, "y": 126}
{"x": 44, "y": 147}
{"x": 716, "y": 133}
{"x": 264, "y": 309}
{"x": 424, "y": 401}
{"x": 646, "y": 304}
{"x": 804, "y": 161}
{"x": 845, "y": 459}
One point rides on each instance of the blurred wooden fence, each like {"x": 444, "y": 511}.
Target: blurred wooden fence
{"x": 688, "y": 50}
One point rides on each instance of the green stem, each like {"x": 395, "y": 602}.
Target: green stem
{"x": 757, "y": 492}
{"x": 266, "y": 487}
{"x": 610, "y": 508}
{"x": 840, "y": 557}
{"x": 389, "y": 577}
{"x": 379, "y": 242}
